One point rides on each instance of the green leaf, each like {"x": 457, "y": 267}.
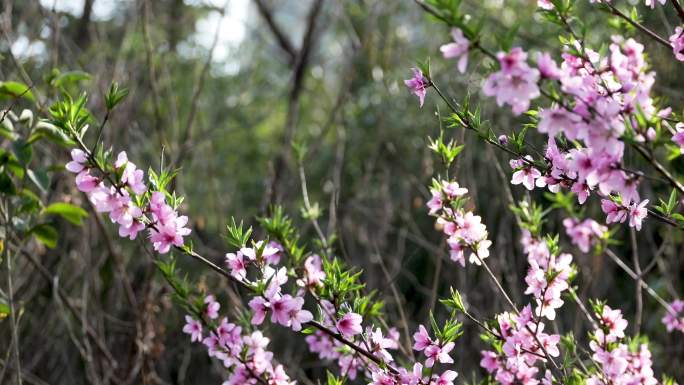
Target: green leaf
{"x": 6, "y": 185}
{"x": 4, "y": 309}
{"x": 51, "y": 132}
{"x": 71, "y": 213}
{"x": 13, "y": 90}
{"x": 70, "y": 77}
{"x": 45, "y": 234}
{"x": 7, "y": 128}
{"x": 23, "y": 151}
{"x": 40, "y": 178}
{"x": 115, "y": 95}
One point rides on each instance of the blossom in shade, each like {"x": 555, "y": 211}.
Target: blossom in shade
{"x": 515, "y": 84}
{"x": 418, "y": 84}
{"x": 584, "y": 234}
{"x": 438, "y": 353}
{"x": 674, "y": 317}
{"x": 78, "y": 161}
{"x": 458, "y": 49}
{"x": 212, "y": 307}
{"x": 678, "y": 137}
{"x": 421, "y": 339}
{"x": 556, "y": 120}
{"x": 637, "y": 213}
{"x": 446, "y": 378}
{"x": 652, "y": 3}
{"x": 547, "y": 66}
{"x": 614, "y": 212}
{"x": 86, "y": 182}
{"x": 677, "y": 42}
{"x": 237, "y": 265}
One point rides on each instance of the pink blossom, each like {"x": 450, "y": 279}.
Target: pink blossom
{"x": 297, "y": 316}
{"x": 131, "y": 231}
{"x": 446, "y": 378}
{"x": 418, "y": 84}
{"x": 86, "y": 182}
{"x": 194, "y": 328}
{"x": 212, "y": 307}
{"x": 437, "y": 353}
{"x": 652, "y": 3}
{"x": 280, "y": 309}
{"x": 453, "y": 190}
{"x": 527, "y": 175}
{"x": 545, "y": 4}
{"x": 615, "y": 213}
{"x": 637, "y": 213}
{"x": 489, "y": 361}
{"x": 379, "y": 344}
{"x": 313, "y": 271}
{"x": 677, "y": 42}
{"x": 515, "y": 84}
{"x": 259, "y": 307}
{"x": 678, "y": 137}
{"x": 124, "y": 211}
{"x": 78, "y": 161}
{"x": 350, "y": 324}
{"x": 169, "y": 234}
{"x": 435, "y": 203}
{"x": 273, "y": 252}
{"x": 134, "y": 178}
{"x": 611, "y": 320}
{"x": 674, "y": 318}
{"x": 547, "y": 66}
{"x": 557, "y": 120}
{"x": 457, "y": 49}
{"x": 421, "y": 339}
{"x": 237, "y": 265}
{"x": 585, "y": 233}
{"x": 382, "y": 378}
{"x": 413, "y": 377}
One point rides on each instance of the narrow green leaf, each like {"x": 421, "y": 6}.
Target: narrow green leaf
{"x": 71, "y": 213}
{"x": 13, "y": 90}
{"x": 45, "y": 234}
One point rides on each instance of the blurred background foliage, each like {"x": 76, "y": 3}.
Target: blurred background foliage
{"x": 220, "y": 90}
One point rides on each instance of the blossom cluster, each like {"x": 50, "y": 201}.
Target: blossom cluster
{"x": 584, "y": 234}
{"x": 124, "y": 195}
{"x": 524, "y": 345}
{"x": 284, "y": 309}
{"x": 547, "y": 275}
{"x": 601, "y": 96}
{"x": 606, "y": 93}
{"x": 350, "y": 327}
{"x": 516, "y": 83}
{"x": 674, "y": 318}
{"x": 244, "y": 354}
{"x": 467, "y": 235}
{"x": 618, "y": 364}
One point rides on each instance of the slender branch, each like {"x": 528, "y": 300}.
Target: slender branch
{"x": 659, "y": 167}
{"x": 638, "y": 25}
{"x": 640, "y": 281}
{"x": 679, "y": 9}
{"x": 10, "y": 297}
{"x": 637, "y": 269}
{"x": 185, "y": 142}
{"x": 283, "y": 41}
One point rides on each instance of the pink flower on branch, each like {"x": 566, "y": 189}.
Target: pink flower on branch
{"x": 349, "y": 325}
{"x": 418, "y": 84}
